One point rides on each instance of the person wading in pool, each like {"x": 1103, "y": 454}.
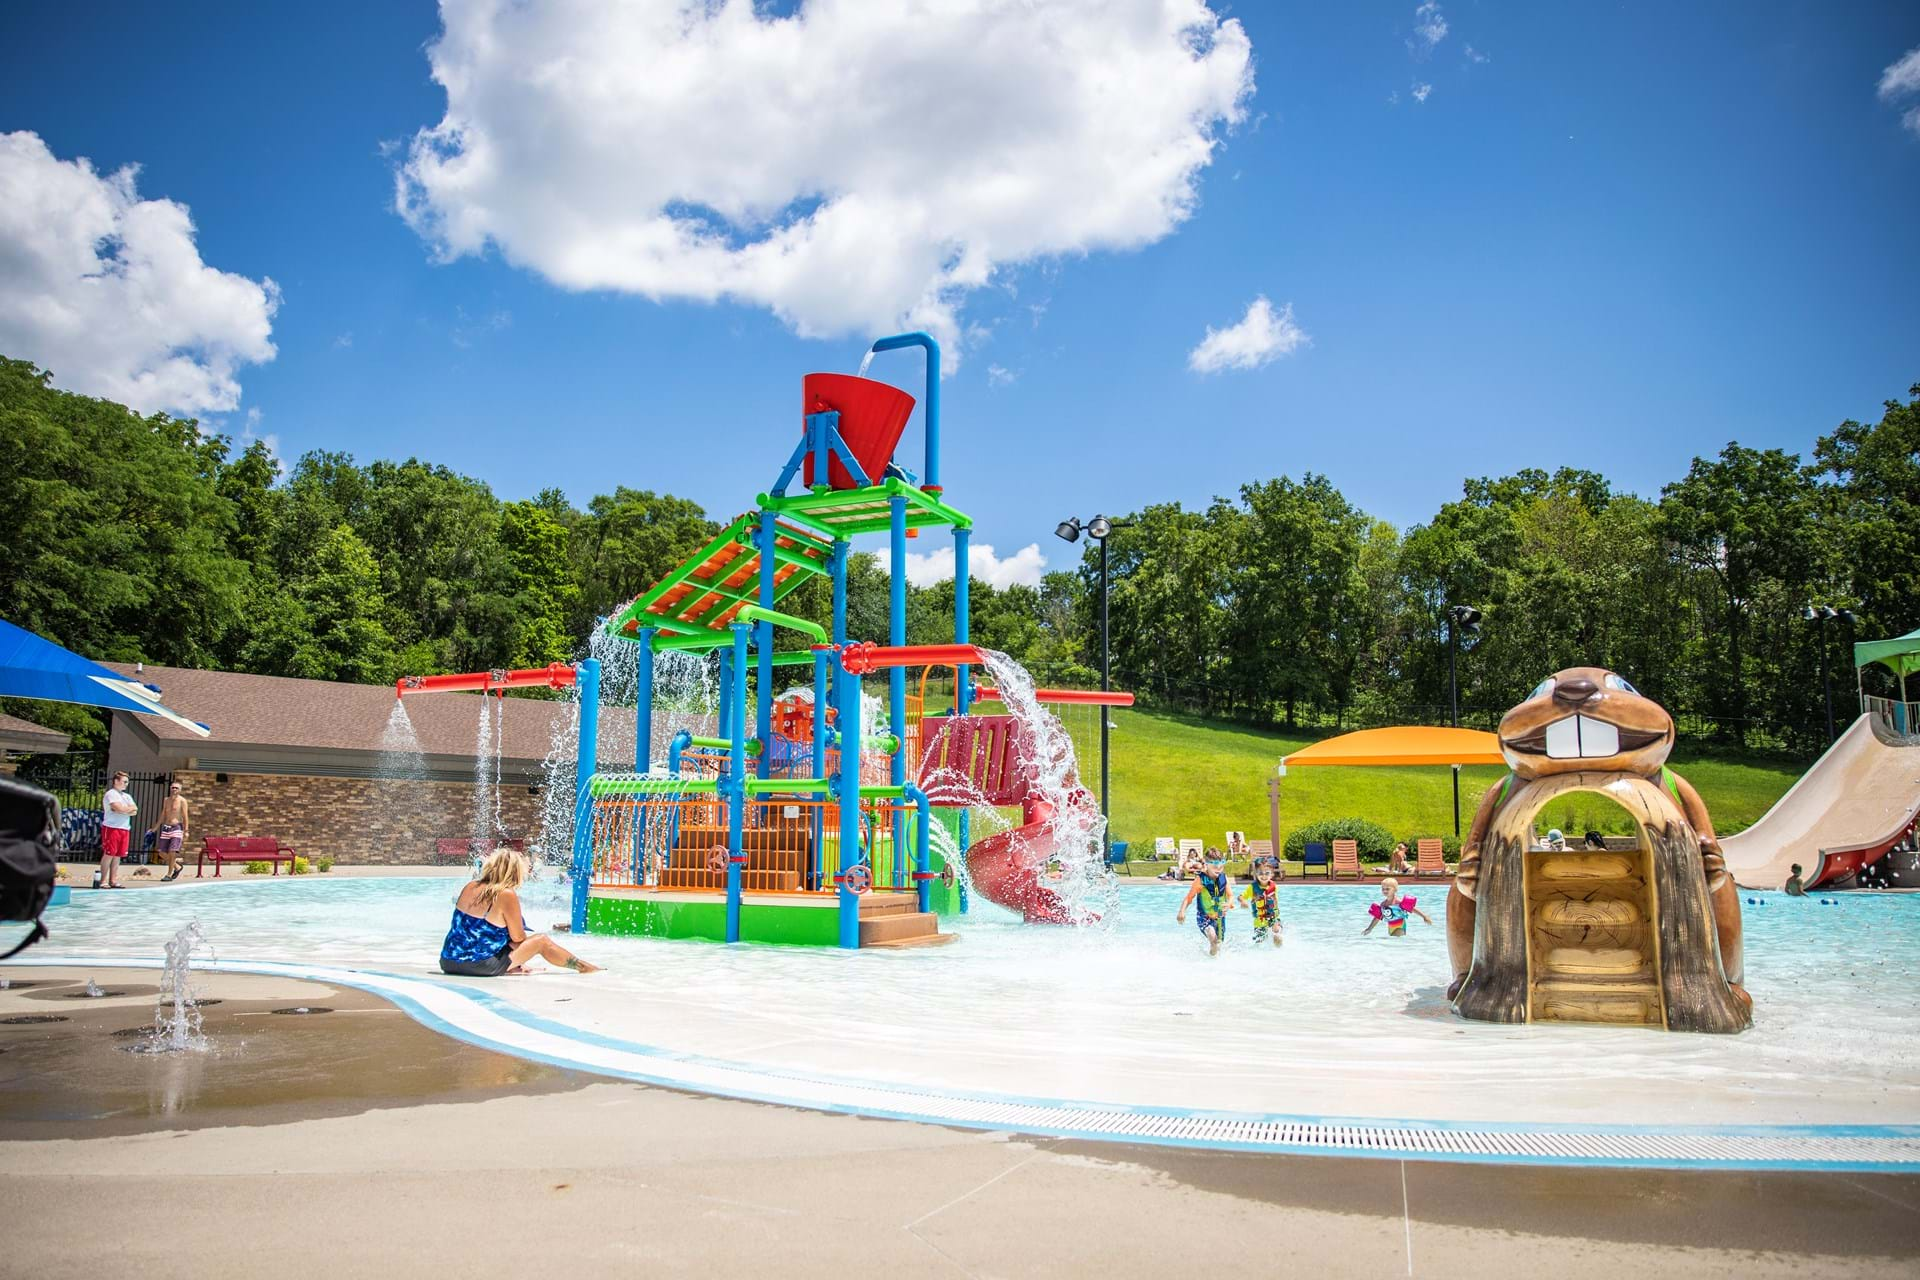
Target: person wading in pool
{"x": 1212, "y": 896}
{"x": 489, "y": 934}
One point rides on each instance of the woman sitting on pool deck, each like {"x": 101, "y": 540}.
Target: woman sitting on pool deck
{"x": 489, "y": 934}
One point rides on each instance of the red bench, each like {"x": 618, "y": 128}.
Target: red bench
{"x": 219, "y": 849}
{"x": 455, "y": 852}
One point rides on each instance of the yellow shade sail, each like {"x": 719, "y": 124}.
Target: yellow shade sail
{"x": 1406, "y": 744}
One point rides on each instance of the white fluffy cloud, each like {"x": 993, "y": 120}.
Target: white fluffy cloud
{"x": 108, "y": 291}
{"x": 1024, "y": 567}
{"x": 1900, "y": 80}
{"x": 1262, "y": 335}
{"x": 854, "y": 167}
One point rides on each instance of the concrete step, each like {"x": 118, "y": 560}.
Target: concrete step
{"x": 875, "y": 931}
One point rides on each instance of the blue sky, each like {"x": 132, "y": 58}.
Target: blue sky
{"x": 1614, "y": 237}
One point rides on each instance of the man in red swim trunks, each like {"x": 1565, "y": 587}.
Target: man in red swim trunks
{"x": 116, "y": 828}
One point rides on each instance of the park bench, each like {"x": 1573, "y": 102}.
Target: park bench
{"x": 219, "y": 849}
{"x": 454, "y": 852}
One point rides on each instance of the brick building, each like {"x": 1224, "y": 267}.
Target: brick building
{"x": 314, "y": 763}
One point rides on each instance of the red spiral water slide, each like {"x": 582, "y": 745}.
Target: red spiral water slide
{"x": 975, "y": 758}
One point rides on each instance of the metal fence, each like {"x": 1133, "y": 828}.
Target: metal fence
{"x": 78, "y": 780}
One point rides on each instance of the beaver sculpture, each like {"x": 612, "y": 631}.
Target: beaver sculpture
{"x": 1649, "y": 936}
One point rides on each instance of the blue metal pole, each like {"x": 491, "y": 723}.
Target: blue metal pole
{"x": 922, "y": 850}
{"x": 643, "y": 704}
{"x": 930, "y": 401}
{"x": 839, "y": 570}
{"x": 897, "y": 680}
{"x": 736, "y": 783}
{"x": 822, "y": 660}
{"x": 678, "y": 743}
{"x": 963, "y": 682}
{"x": 726, "y": 694}
{"x": 763, "y": 644}
{"x": 587, "y": 688}
{"x": 847, "y": 794}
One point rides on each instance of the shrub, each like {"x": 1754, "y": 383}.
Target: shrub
{"x": 300, "y": 866}
{"x": 258, "y": 868}
{"x": 1449, "y": 846}
{"x": 1374, "y": 840}
{"x": 323, "y": 866}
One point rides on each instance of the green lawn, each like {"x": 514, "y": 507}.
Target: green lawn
{"x": 1182, "y": 776}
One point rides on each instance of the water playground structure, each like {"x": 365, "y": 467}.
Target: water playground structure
{"x": 807, "y": 818}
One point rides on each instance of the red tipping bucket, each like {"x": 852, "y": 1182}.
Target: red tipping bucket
{"x": 872, "y": 416}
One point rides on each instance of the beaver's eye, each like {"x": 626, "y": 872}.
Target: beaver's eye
{"x": 1618, "y": 682}
{"x": 1542, "y": 689}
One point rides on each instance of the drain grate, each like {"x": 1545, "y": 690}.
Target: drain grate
{"x": 91, "y": 995}
{"x": 305, "y": 1008}
{"x": 31, "y": 1019}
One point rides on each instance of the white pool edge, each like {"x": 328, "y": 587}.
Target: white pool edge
{"x": 465, "y": 1012}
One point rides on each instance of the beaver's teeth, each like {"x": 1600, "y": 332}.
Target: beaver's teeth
{"x": 1598, "y": 738}
{"x": 1563, "y": 739}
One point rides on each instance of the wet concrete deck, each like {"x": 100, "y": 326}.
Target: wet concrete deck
{"x": 359, "y": 1143}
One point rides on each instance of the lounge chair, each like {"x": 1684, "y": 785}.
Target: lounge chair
{"x": 1430, "y": 861}
{"x": 1315, "y": 855}
{"x": 1346, "y": 858}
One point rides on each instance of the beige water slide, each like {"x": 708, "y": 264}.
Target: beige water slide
{"x": 1856, "y": 801}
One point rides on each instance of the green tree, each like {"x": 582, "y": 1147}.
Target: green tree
{"x": 328, "y": 625}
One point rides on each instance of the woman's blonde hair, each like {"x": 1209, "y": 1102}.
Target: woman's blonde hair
{"x": 505, "y": 868}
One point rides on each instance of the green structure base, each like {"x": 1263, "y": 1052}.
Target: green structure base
{"x": 945, "y": 898}
{"x": 683, "y": 915}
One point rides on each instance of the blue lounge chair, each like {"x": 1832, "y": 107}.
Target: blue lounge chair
{"x": 1316, "y": 855}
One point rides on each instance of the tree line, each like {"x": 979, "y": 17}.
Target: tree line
{"x": 136, "y": 537}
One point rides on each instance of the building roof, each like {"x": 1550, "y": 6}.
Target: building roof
{"x": 262, "y": 718}
{"x": 24, "y": 735}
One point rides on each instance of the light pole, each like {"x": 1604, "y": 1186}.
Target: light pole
{"x": 1460, "y": 617}
{"x": 1098, "y": 528}
{"x": 1821, "y": 615}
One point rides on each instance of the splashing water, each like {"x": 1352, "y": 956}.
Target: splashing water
{"x": 486, "y": 823}
{"x": 1078, "y": 830}
{"x": 176, "y": 1014}
{"x": 93, "y": 990}
{"x": 866, "y": 362}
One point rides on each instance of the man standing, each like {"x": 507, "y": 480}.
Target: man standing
{"x": 116, "y": 828}
{"x": 171, "y": 835}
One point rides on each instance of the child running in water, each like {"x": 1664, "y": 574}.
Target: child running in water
{"x": 1213, "y": 887}
{"x": 1394, "y": 909}
{"x": 1263, "y": 896}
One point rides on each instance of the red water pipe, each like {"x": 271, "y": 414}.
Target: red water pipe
{"x": 1084, "y": 697}
{"x": 859, "y": 659}
{"x": 555, "y": 675}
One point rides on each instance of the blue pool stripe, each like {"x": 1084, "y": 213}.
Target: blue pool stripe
{"x": 461, "y": 1012}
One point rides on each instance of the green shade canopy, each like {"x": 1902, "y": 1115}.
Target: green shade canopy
{"x": 1900, "y": 655}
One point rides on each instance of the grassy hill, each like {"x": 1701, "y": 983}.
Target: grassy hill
{"x": 1183, "y": 776}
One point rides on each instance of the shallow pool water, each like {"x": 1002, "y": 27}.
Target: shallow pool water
{"x": 1331, "y": 1024}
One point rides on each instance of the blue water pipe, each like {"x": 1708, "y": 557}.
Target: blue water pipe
{"x": 678, "y": 743}
{"x": 846, "y": 791}
{"x": 587, "y": 687}
{"x": 763, "y": 641}
{"x": 735, "y": 783}
{"x": 963, "y": 678}
{"x": 822, "y": 665}
{"x": 930, "y": 399}
{"x": 922, "y": 847}
{"x": 897, "y": 676}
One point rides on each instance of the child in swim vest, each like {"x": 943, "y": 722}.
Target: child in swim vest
{"x": 1263, "y": 897}
{"x": 1394, "y": 909}
{"x": 1213, "y": 888}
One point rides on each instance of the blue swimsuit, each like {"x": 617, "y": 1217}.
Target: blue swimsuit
{"x": 1210, "y": 905}
{"x": 476, "y": 947}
